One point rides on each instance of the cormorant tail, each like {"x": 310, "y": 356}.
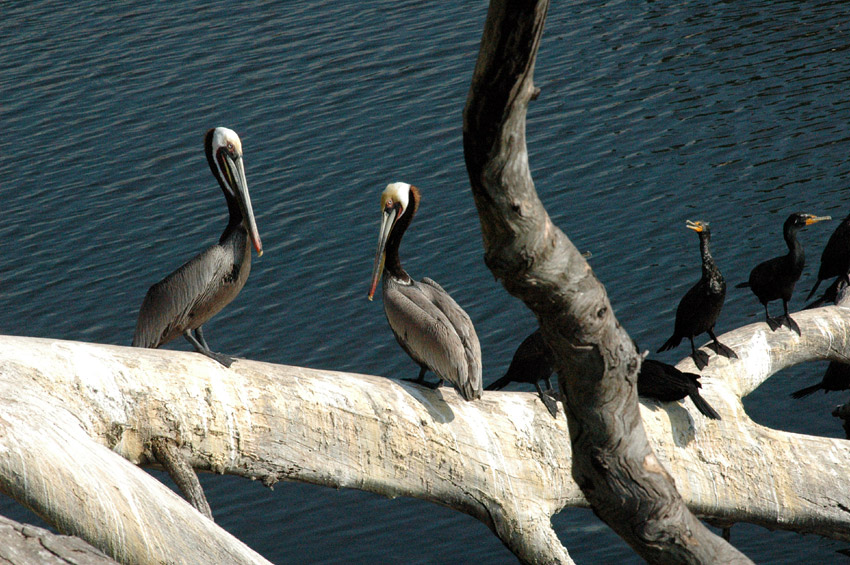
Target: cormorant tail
{"x": 806, "y": 391}
{"x": 743, "y": 285}
{"x": 703, "y": 406}
{"x": 499, "y": 384}
{"x": 814, "y": 289}
{"x": 670, "y": 343}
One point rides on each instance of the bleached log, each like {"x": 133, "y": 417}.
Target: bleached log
{"x": 68, "y": 408}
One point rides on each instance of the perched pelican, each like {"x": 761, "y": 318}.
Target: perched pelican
{"x": 427, "y": 323}
{"x": 776, "y": 278}
{"x": 700, "y": 306}
{"x": 184, "y": 300}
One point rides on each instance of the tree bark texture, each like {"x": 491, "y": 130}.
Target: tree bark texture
{"x": 68, "y": 408}
{"x": 596, "y": 360}
{"x": 23, "y": 544}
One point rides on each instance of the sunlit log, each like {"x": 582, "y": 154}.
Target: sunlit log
{"x": 69, "y": 409}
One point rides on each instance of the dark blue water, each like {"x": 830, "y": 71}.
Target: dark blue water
{"x": 650, "y": 114}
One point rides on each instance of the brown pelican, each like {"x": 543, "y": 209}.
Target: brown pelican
{"x": 184, "y": 300}
{"x": 427, "y": 323}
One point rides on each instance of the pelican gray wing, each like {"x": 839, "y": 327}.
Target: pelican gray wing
{"x": 191, "y": 295}
{"x": 435, "y": 331}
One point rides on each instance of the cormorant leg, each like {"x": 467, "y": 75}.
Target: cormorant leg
{"x": 420, "y": 380}
{"x": 548, "y": 401}
{"x": 220, "y": 357}
{"x": 181, "y": 473}
{"x": 772, "y": 323}
{"x": 720, "y": 348}
{"x": 700, "y": 357}
{"x": 789, "y": 320}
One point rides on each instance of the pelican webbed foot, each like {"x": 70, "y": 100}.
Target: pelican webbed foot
{"x": 200, "y": 344}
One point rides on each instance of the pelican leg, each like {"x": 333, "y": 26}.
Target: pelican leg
{"x": 721, "y": 349}
{"x": 420, "y": 380}
{"x": 225, "y": 360}
{"x": 199, "y": 335}
{"x": 700, "y": 357}
{"x": 789, "y": 320}
{"x": 771, "y": 322}
{"x": 548, "y": 401}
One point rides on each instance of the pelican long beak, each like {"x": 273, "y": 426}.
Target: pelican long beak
{"x": 387, "y": 220}
{"x": 236, "y": 170}
{"x": 815, "y": 219}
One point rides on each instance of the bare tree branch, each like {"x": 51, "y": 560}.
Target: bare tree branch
{"x": 596, "y": 360}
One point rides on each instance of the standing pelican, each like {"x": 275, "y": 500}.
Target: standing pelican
{"x": 428, "y": 324}
{"x": 184, "y": 300}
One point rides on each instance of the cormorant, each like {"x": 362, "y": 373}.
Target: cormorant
{"x": 699, "y": 308}
{"x": 184, "y": 300}
{"x": 835, "y": 259}
{"x": 775, "y": 278}
{"x": 533, "y": 362}
{"x": 836, "y": 377}
{"x": 667, "y": 383}
{"x": 428, "y": 324}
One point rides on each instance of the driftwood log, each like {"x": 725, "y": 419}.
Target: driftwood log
{"x": 69, "y": 409}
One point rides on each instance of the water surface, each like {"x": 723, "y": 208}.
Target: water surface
{"x": 650, "y": 114}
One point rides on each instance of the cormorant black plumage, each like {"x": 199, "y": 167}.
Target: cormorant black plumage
{"x": 775, "y": 278}
{"x": 699, "y": 308}
{"x": 667, "y": 383}
{"x": 835, "y": 259}
{"x": 533, "y": 362}
{"x": 836, "y": 377}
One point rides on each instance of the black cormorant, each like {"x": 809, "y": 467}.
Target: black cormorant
{"x": 775, "y": 278}
{"x": 533, "y": 362}
{"x": 836, "y": 377}
{"x": 835, "y": 259}
{"x": 667, "y": 383}
{"x": 699, "y": 308}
